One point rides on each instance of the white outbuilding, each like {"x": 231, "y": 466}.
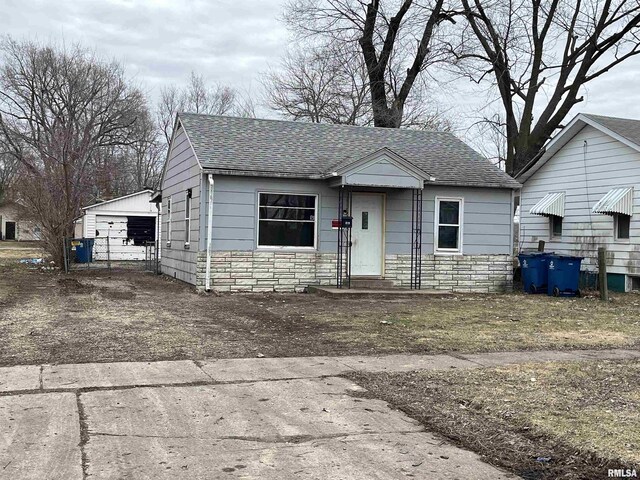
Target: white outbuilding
{"x": 121, "y": 226}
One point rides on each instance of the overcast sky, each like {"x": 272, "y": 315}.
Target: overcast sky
{"x": 228, "y": 41}
{"x": 161, "y": 41}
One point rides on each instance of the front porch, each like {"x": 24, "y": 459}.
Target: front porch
{"x": 362, "y": 218}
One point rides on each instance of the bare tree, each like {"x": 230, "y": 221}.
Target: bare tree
{"x": 121, "y": 169}
{"x": 147, "y": 152}
{"x": 245, "y": 105}
{"x": 9, "y": 166}
{"x": 539, "y": 55}
{"x": 58, "y": 108}
{"x": 198, "y": 97}
{"x": 395, "y": 41}
{"x": 327, "y": 85}
{"x": 488, "y": 137}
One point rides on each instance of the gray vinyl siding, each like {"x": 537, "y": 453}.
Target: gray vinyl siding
{"x": 182, "y": 173}
{"x": 382, "y": 173}
{"x": 585, "y": 175}
{"x": 486, "y": 226}
{"x": 235, "y": 210}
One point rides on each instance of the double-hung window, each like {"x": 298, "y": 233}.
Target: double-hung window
{"x": 287, "y": 220}
{"x": 448, "y": 228}
{"x": 187, "y": 218}
{"x": 169, "y": 221}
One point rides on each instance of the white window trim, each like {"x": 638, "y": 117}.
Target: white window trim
{"x": 169, "y": 219}
{"x": 616, "y": 217}
{"x": 285, "y": 247}
{"x": 436, "y": 229}
{"x": 552, "y": 236}
{"x": 187, "y": 217}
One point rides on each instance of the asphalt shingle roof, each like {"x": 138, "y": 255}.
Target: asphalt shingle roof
{"x": 625, "y": 127}
{"x": 248, "y": 146}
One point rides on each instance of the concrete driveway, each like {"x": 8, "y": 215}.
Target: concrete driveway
{"x": 247, "y": 418}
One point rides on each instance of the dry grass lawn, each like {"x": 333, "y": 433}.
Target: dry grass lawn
{"x": 11, "y": 252}
{"x": 476, "y": 323}
{"x": 128, "y": 315}
{"x": 547, "y": 420}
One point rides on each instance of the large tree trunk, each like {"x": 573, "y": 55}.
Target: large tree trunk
{"x": 556, "y": 48}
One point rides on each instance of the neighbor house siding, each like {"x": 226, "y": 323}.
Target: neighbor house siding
{"x": 182, "y": 172}
{"x": 586, "y": 168}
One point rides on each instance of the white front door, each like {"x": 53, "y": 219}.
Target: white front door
{"x": 366, "y": 234}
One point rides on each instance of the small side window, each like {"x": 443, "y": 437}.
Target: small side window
{"x": 187, "y": 218}
{"x": 555, "y": 226}
{"x": 622, "y": 225}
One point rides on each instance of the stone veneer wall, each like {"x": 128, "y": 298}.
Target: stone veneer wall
{"x": 293, "y": 272}
{"x": 457, "y": 273}
{"x": 267, "y": 271}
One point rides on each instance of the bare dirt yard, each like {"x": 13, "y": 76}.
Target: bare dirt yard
{"x": 570, "y": 420}
{"x": 98, "y": 316}
{"x": 540, "y": 421}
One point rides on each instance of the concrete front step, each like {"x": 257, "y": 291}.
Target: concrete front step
{"x": 372, "y": 283}
{"x": 366, "y": 292}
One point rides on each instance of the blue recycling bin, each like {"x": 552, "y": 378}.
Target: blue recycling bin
{"x": 534, "y": 269}
{"x": 564, "y": 276}
{"x": 84, "y": 250}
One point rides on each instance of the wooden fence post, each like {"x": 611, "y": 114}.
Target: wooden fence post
{"x": 602, "y": 273}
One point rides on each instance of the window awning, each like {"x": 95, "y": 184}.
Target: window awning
{"x": 552, "y": 204}
{"x": 618, "y": 200}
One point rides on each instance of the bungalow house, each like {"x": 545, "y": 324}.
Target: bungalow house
{"x": 264, "y": 205}
{"x": 583, "y": 192}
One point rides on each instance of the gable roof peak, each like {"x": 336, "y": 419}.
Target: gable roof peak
{"x": 625, "y": 130}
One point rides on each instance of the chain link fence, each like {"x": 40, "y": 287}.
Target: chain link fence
{"x": 107, "y": 253}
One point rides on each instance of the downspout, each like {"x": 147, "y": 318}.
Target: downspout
{"x": 158, "y": 236}
{"x": 207, "y": 281}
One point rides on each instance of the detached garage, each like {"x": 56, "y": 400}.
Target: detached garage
{"x": 126, "y": 224}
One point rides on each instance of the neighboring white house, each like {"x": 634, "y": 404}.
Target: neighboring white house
{"x": 15, "y": 226}
{"x": 583, "y": 192}
{"x": 129, "y": 222}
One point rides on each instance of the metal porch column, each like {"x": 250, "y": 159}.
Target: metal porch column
{"x": 343, "y": 260}
{"x": 416, "y": 239}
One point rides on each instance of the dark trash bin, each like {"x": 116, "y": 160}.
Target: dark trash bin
{"x": 564, "y": 276}
{"x": 534, "y": 270}
{"x": 84, "y": 249}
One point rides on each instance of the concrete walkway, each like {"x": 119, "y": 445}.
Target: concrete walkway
{"x": 241, "y": 418}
